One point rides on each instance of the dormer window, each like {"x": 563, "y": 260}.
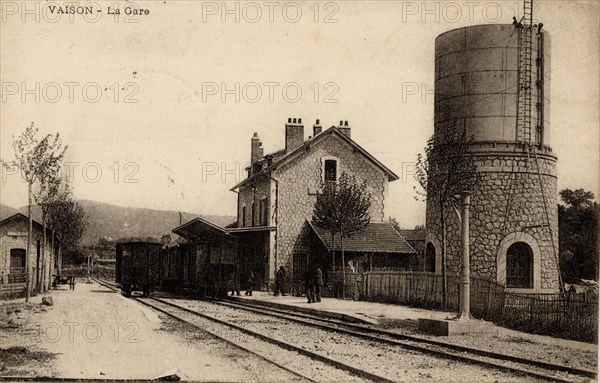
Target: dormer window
{"x": 330, "y": 169}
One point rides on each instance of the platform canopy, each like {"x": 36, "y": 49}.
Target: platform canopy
{"x": 376, "y": 238}
{"x": 200, "y": 229}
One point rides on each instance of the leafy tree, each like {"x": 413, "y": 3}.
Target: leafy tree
{"x": 343, "y": 208}
{"x": 395, "y": 224}
{"x": 446, "y": 169}
{"x": 49, "y": 188}
{"x": 37, "y": 159}
{"x": 578, "y": 235}
{"x": 578, "y": 199}
{"x": 68, "y": 220}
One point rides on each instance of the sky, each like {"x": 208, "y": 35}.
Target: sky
{"x": 158, "y": 110}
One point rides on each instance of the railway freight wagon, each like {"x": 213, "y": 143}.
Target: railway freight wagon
{"x": 170, "y": 269}
{"x": 209, "y": 262}
{"x": 208, "y": 268}
{"x": 138, "y": 267}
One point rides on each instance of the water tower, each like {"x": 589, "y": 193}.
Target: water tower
{"x": 493, "y": 82}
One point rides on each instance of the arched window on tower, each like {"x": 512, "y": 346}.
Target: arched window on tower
{"x": 519, "y": 266}
{"x": 430, "y": 258}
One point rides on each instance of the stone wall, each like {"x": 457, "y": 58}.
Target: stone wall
{"x": 13, "y": 235}
{"x": 254, "y": 192}
{"x": 299, "y": 181}
{"x": 506, "y": 207}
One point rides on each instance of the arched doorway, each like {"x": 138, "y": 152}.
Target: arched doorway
{"x": 519, "y": 266}
{"x": 430, "y": 258}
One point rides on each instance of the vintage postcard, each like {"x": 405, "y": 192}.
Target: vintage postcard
{"x": 304, "y": 190}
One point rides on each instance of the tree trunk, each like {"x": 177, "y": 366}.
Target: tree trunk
{"x": 444, "y": 259}
{"x": 52, "y": 260}
{"x": 29, "y": 245}
{"x": 59, "y": 262}
{"x": 343, "y": 264}
{"x": 43, "y": 280}
{"x": 333, "y": 250}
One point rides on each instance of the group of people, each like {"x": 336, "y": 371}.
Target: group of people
{"x": 313, "y": 283}
{"x": 249, "y": 284}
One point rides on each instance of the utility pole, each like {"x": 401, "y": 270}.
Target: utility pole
{"x": 465, "y": 271}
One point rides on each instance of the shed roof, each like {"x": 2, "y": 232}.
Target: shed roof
{"x": 378, "y": 237}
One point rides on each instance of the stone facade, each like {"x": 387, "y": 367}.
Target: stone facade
{"x": 13, "y": 236}
{"x": 291, "y": 192}
{"x": 299, "y": 182}
{"x": 480, "y": 88}
{"x": 508, "y": 206}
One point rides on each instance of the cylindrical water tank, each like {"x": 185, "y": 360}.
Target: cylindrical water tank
{"x": 514, "y": 215}
{"x": 477, "y": 82}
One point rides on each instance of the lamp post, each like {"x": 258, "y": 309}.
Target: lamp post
{"x": 465, "y": 271}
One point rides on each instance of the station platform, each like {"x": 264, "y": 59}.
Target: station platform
{"x": 346, "y": 310}
{"x": 404, "y": 319}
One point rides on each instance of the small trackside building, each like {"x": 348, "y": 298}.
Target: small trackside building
{"x": 13, "y": 255}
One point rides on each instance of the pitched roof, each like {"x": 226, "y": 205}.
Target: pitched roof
{"x": 280, "y": 158}
{"x": 376, "y": 238}
{"x": 413, "y": 235}
{"x": 199, "y": 229}
{"x": 26, "y": 218}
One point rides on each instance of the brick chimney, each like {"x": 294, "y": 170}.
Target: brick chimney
{"x": 344, "y": 128}
{"x": 317, "y": 128}
{"x": 294, "y": 134}
{"x": 256, "y": 151}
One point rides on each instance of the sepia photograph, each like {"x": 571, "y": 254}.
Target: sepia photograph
{"x": 299, "y": 191}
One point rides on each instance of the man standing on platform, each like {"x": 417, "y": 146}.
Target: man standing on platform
{"x": 280, "y": 281}
{"x": 309, "y": 285}
{"x": 250, "y": 283}
{"x": 318, "y": 284}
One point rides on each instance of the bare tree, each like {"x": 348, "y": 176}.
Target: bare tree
{"x": 446, "y": 169}
{"x": 36, "y": 159}
{"x": 343, "y": 208}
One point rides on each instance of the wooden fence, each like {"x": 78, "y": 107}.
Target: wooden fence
{"x": 568, "y": 316}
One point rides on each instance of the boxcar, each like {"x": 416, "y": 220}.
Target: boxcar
{"x": 170, "y": 269}
{"x": 138, "y": 267}
{"x": 207, "y": 268}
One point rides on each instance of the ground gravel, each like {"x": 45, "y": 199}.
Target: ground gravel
{"x": 391, "y": 362}
{"x": 514, "y": 343}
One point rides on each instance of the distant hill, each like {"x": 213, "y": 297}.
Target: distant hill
{"x": 106, "y": 220}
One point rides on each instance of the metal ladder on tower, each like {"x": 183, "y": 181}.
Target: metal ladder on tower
{"x": 526, "y": 28}
{"x": 524, "y": 74}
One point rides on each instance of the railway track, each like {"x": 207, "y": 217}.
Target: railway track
{"x": 510, "y": 364}
{"x": 278, "y": 354}
{"x": 532, "y": 367}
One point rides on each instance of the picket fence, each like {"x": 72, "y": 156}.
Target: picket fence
{"x": 560, "y": 315}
